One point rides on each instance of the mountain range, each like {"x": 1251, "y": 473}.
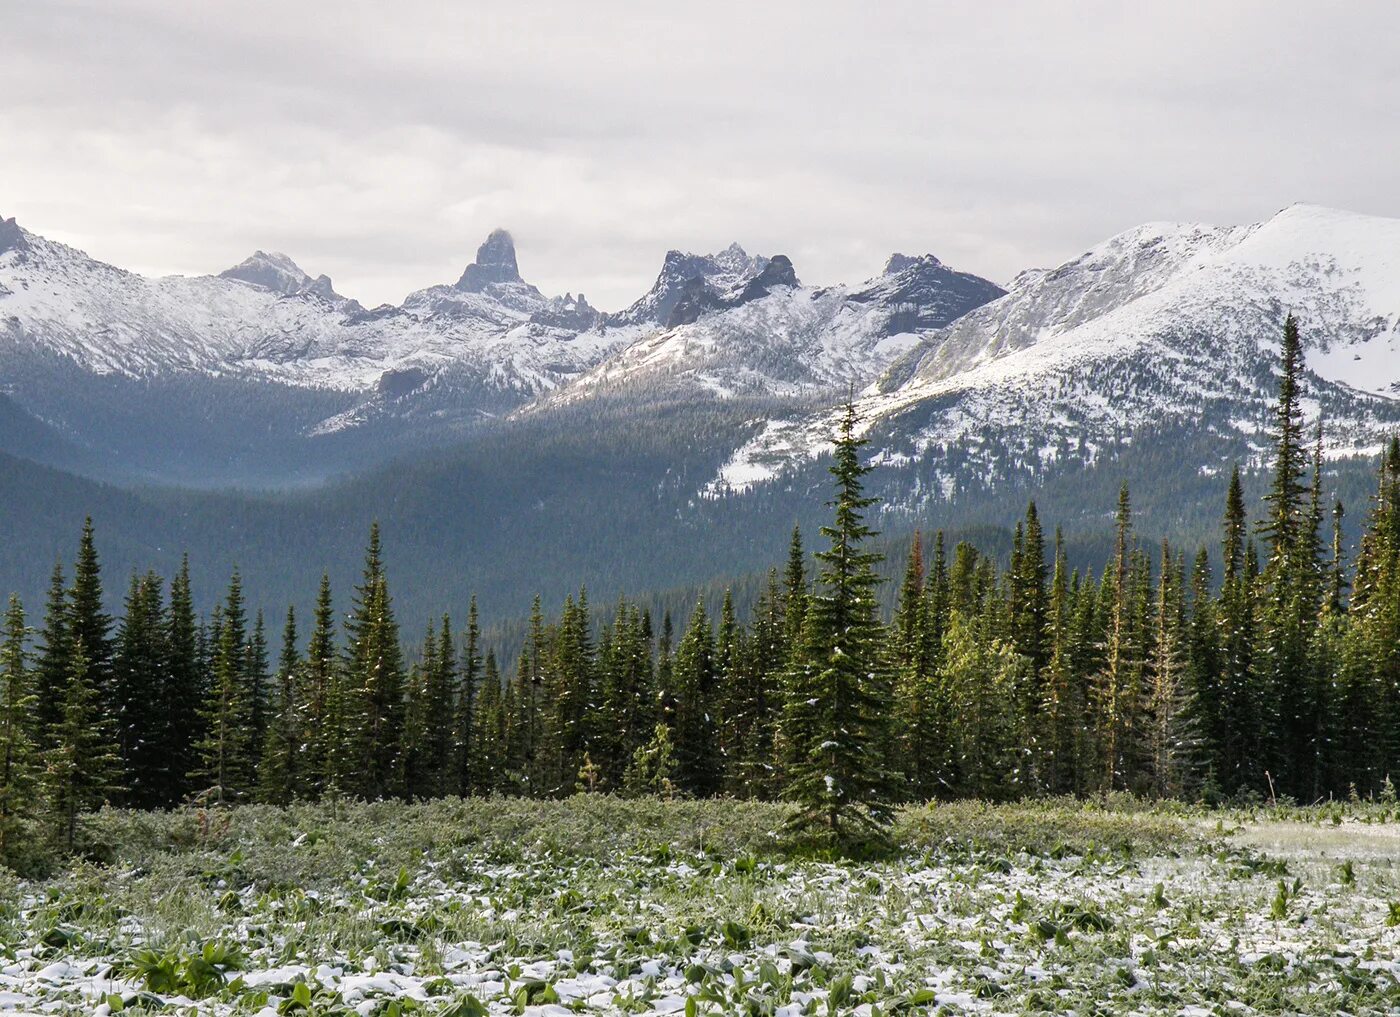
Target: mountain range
{"x": 335, "y": 384}
{"x": 480, "y": 418}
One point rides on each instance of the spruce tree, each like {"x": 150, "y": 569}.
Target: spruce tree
{"x": 1290, "y": 590}
{"x": 53, "y": 665}
{"x": 569, "y": 690}
{"x": 837, "y": 714}
{"x": 81, "y": 765}
{"x": 1114, "y": 693}
{"x": 19, "y": 759}
{"x": 919, "y": 729}
{"x": 226, "y": 767}
{"x": 322, "y": 731}
{"x": 185, "y": 689}
{"x": 1027, "y": 602}
{"x": 752, "y": 700}
{"x": 1171, "y": 714}
{"x": 1063, "y": 703}
{"x": 489, "y": 740}
{"x": 255, "y": 674}
{"x": 279, "y": 775}
{"x": 419, "y": 720}
{"x": 88, "y": 622}
{"x": 1204, "y": 664}
{"x": 795, "y": 598}
{"x": 140, "y": 686}
{"x": 466, "y": 775}
{"x": 374, "y": 686}
{"x": 698, "y": 767}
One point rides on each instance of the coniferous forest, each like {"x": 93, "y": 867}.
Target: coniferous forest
{"x": 1277, "y": 677}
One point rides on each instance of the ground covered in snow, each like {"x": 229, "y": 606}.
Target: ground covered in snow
{"x": 602, "y": 906}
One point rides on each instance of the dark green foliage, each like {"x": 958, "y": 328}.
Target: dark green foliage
{"x": 51, "y": 669}
{"x": 141, "y": 681}
{"x": 279, "y": 769}
{"x": 1001, "y": 673}
{"x": 372, "y": 692}
{"x": 184, "y": 691}
{"x": 694, "y": 732}
{"x": 837, "y": 717}
{"x": 226, "y": 753}
{"x": 82, "y": 766}
{"x": 19, "y": 756}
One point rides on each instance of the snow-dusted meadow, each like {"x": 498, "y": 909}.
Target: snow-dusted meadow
{"x": 612, "y": 907}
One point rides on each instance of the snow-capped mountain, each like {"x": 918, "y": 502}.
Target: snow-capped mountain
{"x": 280, "y": 274}
{"x": 267, "y": 319}
{"x": 1167, "y": 325}
{"x": 744, "y": 326}
{"x": 450, "y": 356}
{"x": 694, "y": 280}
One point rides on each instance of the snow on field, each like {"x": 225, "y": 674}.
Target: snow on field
{"x": 1219, "y": 929}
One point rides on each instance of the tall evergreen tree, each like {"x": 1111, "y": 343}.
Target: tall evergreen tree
{"x": 569, "y": 689}
{"x": 255, "y": 674}
{"x": 1115, "y": 695}
{"x": 53, "y": 666}
{"x": 140, "y": 686}
{"x": 694, "y": 734}
{"x": 1063, "y": 700}
{"x": 19, "y": 759}
{"x": 81, "y": 765}
{"x": 1290, "y": 590}
{"x": 1171, "y": 712}
{"x": 322, "y": 733}
{"x": 184, "y": 691}
{"x": 374, "y": 686}
{"x": 279, "y": 771}
{"x": 489, "y": 740}
{"x": 88, "y": 622}
{"x": 227, "y": 762}
{"x": 467, "y": 775}
{"x": 838, "y": 712}
{"x": 419, "y": 720}
{"x": 795, "y": 599}
{"x": 751, "y": 706}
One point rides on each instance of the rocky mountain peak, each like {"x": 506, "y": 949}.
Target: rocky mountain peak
{"x": 11, "y": 236}
{"x": 778, "y": 272}
{"x": 495, "y": 263}
{"x": 274, "y": 271}
{"x": 899, "y": 262}
{"x": 270, "y": 270}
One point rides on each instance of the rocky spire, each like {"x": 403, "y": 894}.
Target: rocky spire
{"x": 495, "y": 263}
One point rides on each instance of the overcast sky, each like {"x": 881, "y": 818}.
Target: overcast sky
{"x": 379, "y": 143}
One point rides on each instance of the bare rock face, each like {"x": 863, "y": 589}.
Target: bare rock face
{"x": 778, "y": 272}
{"x": 690, "y": 284}
{"x": 495, "y": 263}
{"x": 11, "y": 236}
